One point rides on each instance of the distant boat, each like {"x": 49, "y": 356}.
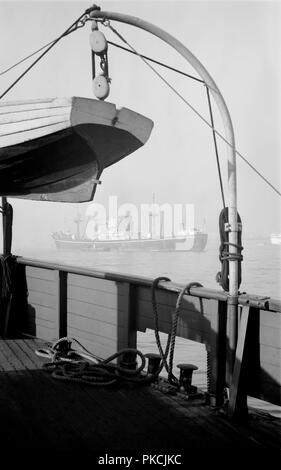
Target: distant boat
{"x": 195, "y": 241}
{"x": 56, "y": 149}
{"x": 275, "y": 238}
{"x": 192, "y": 240}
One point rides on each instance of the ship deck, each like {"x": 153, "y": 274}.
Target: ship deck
{"x": 42, "y": 415}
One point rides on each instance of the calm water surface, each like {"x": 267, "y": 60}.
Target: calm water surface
{"x": 261, "y": 267}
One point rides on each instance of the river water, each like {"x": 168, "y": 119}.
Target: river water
{"x": 261, "y": 267}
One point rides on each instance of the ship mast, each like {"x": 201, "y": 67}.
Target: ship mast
{"x": 231, "y": 151}
{"x": 77, "y": 221}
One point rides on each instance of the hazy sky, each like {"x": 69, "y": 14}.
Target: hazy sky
{"x": 239, "y": 44}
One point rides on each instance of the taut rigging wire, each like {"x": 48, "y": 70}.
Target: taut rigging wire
{"x": 157, "y": 62}
{"x": 112, "y": 44}
{"x": 69, "y": 30}
{"x": 25, "y": 58}
{"x": 106, "y": 23}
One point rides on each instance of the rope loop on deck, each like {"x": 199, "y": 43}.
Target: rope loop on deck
{"x": 82, "y": 366}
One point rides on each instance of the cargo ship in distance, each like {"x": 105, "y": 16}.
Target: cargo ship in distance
{"x": 275, "y": 238}
{"x": 126, "y": 240}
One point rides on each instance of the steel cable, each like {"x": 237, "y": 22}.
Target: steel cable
{"x": 210, "y": 125}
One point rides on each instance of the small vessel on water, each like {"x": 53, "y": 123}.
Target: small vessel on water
{"x": 126, "y": 240}
{"x": 275, "y": 238}
{"x": 194, "y": 241}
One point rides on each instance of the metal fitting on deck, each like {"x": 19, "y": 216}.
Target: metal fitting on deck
{"x": 128, "y": 360}
{"x": 153, "y": 363}
{"x": 186, "y": 371}
{"x": 63, "y": 345}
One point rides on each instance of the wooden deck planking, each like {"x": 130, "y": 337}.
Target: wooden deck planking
{"x": 61, "y": 421}
{"x": 40, "y": 413}
{"x": 185, "y": 351}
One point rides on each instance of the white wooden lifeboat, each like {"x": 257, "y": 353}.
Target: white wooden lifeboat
{"x": 56, "y": 149}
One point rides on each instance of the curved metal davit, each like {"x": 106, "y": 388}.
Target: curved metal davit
{"x": 229, "y": 135}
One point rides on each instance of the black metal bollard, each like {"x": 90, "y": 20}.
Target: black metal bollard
{"x": 186, "y": 371}
{"x": 153, "y": 363}
{"x": 128, "y": 360}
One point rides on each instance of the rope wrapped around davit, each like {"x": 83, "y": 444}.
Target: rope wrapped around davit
{"x": 225, "y": 254}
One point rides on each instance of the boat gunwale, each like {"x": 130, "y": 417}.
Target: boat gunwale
{"x": 257, "y": 301}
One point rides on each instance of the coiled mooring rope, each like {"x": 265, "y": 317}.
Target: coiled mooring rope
{"x": 82, "y": 366}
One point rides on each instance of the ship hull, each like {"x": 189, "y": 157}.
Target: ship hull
{"x": 275, "y": 239}
{"x": 74, "y": 245}
{"x": 192, "y": 243}
{"x": 56, "y": 149}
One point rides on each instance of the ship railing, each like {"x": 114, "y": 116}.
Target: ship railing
{"x": 105, "y": 310}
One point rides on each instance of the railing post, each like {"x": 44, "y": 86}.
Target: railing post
{"x": 127, "y": 319}
{"x": 238, "y": 388}
{"x": 7, "y": 217}
{"x": 61, "y": 327}
{"x": 216, "y": 356}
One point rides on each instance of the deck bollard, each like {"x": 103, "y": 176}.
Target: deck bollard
{"x": 186, "y": 371}
{"x": 153, "y": 363}
{"x": 128, "y": 360}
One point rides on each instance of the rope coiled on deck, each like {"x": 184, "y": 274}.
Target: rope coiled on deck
{"x": 82, "y": 366}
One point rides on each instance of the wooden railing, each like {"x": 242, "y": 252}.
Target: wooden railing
{"x": 105, "y": 310}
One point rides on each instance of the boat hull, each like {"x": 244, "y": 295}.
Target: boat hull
{"x": 192, "y": 243}
{"x": 275, "y": 239}
{"x": 74, "y": 245}
{"x": 56, "y": 149}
